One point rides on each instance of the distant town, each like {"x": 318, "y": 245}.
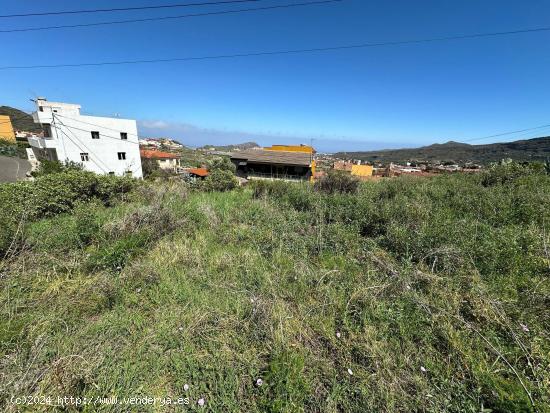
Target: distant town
{"x": 58, "y": 132}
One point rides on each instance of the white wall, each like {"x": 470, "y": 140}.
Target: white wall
{"x": 167, "y": 164}
{"x": 72, "y": 135}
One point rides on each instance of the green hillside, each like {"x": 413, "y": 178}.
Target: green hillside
{"x": 537, "y": 149}
{"x": 20, "y": 120}
{"x": 230, "y": 148}
{"x": 409, "y": 295}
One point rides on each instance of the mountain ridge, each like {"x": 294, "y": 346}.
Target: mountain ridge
{"x": 535, "y": 149}
{"x": 20, "y": 120}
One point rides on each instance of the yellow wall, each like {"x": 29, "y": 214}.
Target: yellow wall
{"x": 6, "y": 130}
{"x": 361, "y": 170}
{"x": 291, "y": 148}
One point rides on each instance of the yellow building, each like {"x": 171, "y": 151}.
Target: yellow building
{"x": 361, "y": 171}
{"x": 6, "y": 130}
{"x": 291, "y": 148}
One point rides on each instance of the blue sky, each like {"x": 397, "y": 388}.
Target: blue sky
{"x": 407, "y": 95}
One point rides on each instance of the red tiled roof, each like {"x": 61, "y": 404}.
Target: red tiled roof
{"x": 151, "y": 154}
{"x": 198, "y": 171}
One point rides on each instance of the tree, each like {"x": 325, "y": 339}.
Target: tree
{"x": 222, "y": 163}
{"x": 219, "y": 180}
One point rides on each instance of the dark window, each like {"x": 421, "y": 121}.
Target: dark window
{"x": 41, "y": 108}
{"x": 111, "y": 173}
{"x": 123, "y": 135}
{"x": 84, "y": 157}
{"x": 121, "y": 156}
{"x": 95, "y": 135}
{"x": 47, "y": 130}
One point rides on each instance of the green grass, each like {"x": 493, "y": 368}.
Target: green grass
{"x": 427, "y": 282}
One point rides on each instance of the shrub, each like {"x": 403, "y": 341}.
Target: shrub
{"x": 337, "y": 181}
{"x": 10, "y": 148}
{"x": 149, "y": 167}
{"x": 222, "y": 163}
{"x": 52, "y": 194}
{"x": 508, "y": 170}
{"x": 219, "y": 180}
{"x": 54, "y": 167}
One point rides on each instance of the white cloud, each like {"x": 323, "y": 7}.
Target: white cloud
{"x": 191, "y": 135}
{"x": 154, "y": 124}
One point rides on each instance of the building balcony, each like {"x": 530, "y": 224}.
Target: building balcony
{"x": 42, "y": 117}
{"x": 42, "y": 143}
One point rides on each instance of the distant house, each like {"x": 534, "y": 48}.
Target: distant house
{"x": 100, "y": 144}
{"x": 166, "y": 161}
{"x": 293, "y": 163}
{"x": 6, "y": 129}
{"x": 362, "y": 171}
{"x": 160, "y": 143}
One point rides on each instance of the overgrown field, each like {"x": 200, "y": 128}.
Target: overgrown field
{"x": 409, "y": 295}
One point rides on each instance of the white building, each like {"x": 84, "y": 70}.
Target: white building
{"x": 102, "y": 145}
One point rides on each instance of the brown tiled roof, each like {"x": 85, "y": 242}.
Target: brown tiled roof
{"x": 202, "y": 172}
{"x": 151, "y": 154}
{"x": 273, "y": 157}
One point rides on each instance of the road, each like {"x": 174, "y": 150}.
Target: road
{"x": 13, "y": 169}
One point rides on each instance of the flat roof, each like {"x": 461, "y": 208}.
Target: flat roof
{"x": 274, "y": 157}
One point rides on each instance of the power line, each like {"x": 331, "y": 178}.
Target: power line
{"x": 507, "y": 133}
{"x": 95, "y": 158}
{"x": 284, "y": 52}
{"x": 99, "y": 126}
{"x": 160, "y": 6}
{"x": 102, "y": 135}
{"x": 183, "y": 16}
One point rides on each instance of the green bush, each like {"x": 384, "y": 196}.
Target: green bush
{"x": 222, "y": 163}
{"x": 15, "y": 149}
{"x": 507, "y": 171}
{"x": 52, "y": 194}
{"x": 219, "y": 180}
{"x": 337, "y": 182}
{"x": 54, "y": 167}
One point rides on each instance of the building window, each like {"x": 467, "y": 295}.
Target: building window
{"x": 95, "y": 134}
{"x": 111, "y": 173}
{"x": 47, "y": 130}
{"x": 123, "y": 135}
{"x": 121, "y": 156}
{"x": 41, "y": 108}
{"x": 84, "y": 157}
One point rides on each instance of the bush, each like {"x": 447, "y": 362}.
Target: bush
{"x": 52, "y": 194}
{"x": 54, "y": 167}
{"x": 338, "y": 182}
{"x": 219, "y": 180}
{"x": 222, "y": 163}
{"x": 508, "y": 170}
{"x": 15, "y": 149}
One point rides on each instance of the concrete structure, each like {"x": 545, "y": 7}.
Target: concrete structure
{"x": 6, "y": 129}
{"x": 269, "y": 163}
{"x": 102, "y": 145}
{"x": 165, "y": 160}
